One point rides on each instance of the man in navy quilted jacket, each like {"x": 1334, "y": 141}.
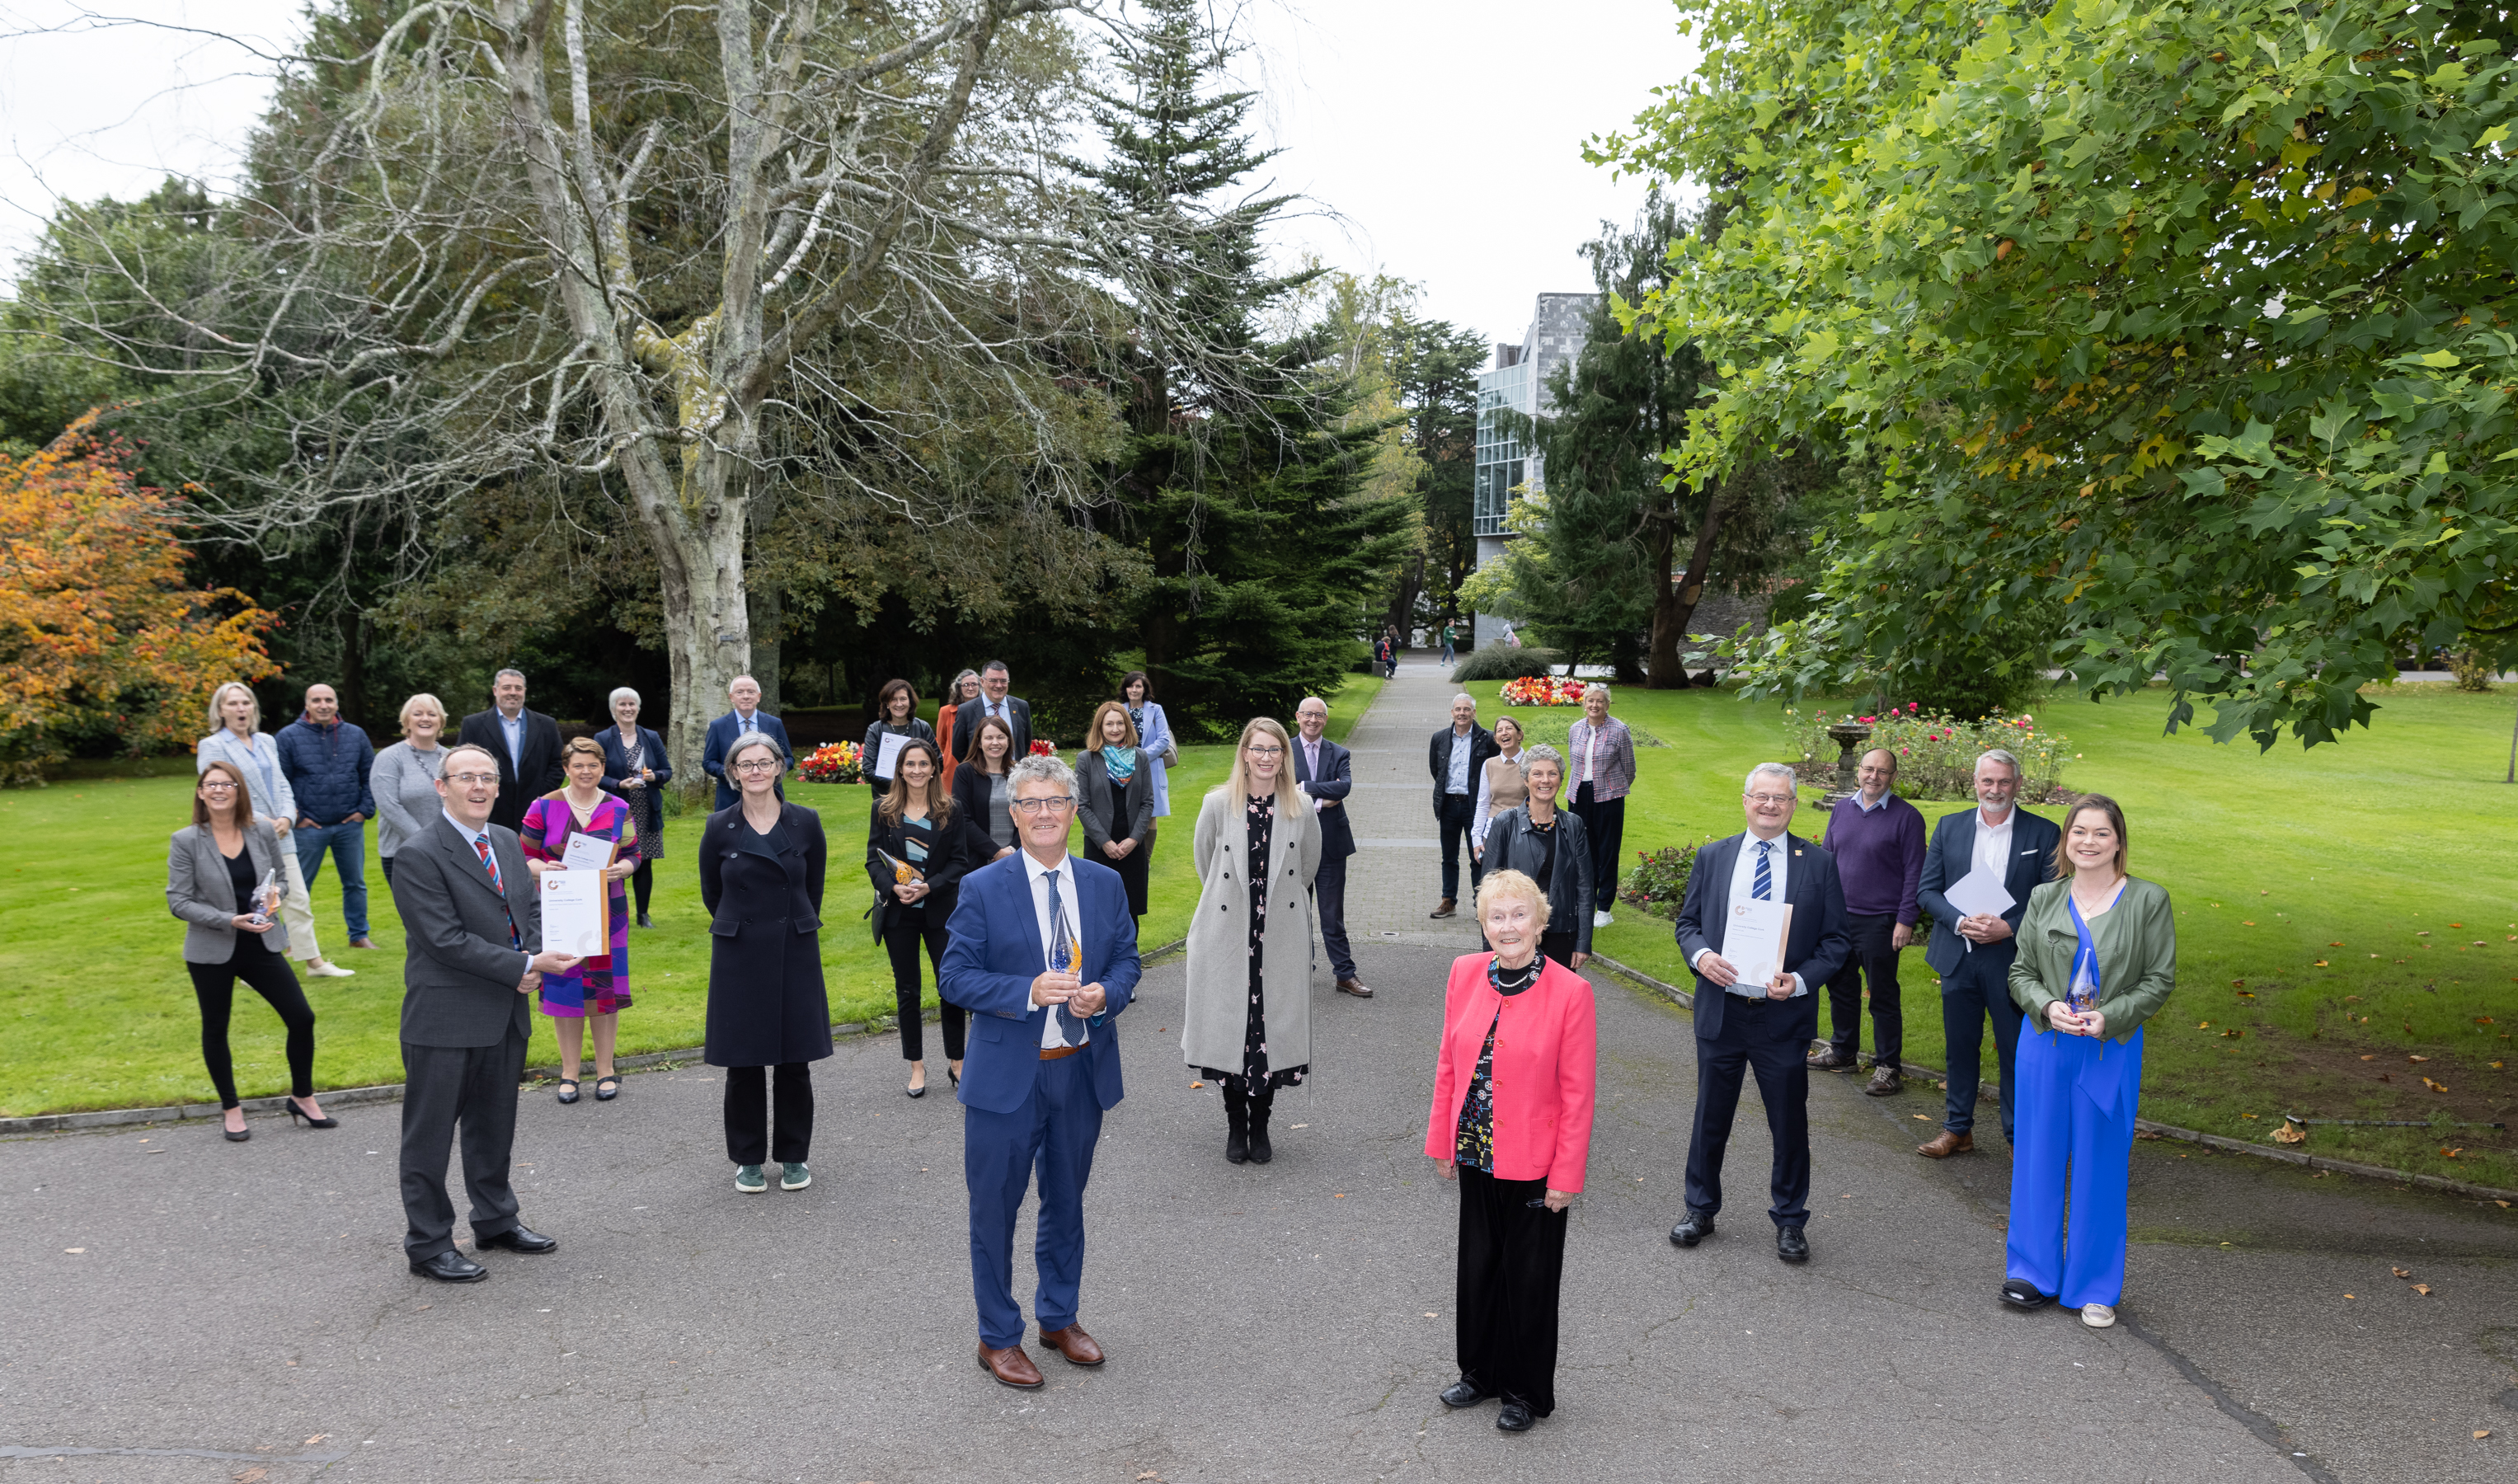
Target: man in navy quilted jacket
{"x": 328, "y": 762}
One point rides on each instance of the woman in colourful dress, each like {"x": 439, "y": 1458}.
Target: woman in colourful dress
{"x": 598, "y": 987}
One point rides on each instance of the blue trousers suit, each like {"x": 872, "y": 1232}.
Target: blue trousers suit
{"x": 2073, "y": 1145}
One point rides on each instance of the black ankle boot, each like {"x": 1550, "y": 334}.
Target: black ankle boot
{"x": 1237, "y": 1127}
{"x": 1259, "y": 1107}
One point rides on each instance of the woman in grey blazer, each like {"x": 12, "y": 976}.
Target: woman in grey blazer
{"x": 214, "y": 869}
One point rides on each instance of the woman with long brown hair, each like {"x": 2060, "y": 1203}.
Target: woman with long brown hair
{"x": 918, "y": 846}
{"x": 1114, "y": 801}
{"x": 979, "y": 784}
{"x": 896, "y": 715}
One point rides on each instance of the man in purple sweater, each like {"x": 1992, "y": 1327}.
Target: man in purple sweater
{"x": 1878, "y": 841}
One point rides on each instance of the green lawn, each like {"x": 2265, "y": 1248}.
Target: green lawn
{"x": 99, "y": 1010}
{"x": 2374, "y": 857}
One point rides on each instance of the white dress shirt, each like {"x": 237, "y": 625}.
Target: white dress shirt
{"x": 1993, "y": 852}
{"x": 1744, "y": 883}
{"x": 1034, "y": 871}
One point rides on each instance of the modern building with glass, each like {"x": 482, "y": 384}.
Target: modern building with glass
{"x": 1518, "y": 383}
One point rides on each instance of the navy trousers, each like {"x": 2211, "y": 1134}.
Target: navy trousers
{"x": 1452, "y": 816}
{"x": 1328, "y": 897}
{"x": 1979, "y": 986}
{"x": 1055, "y": 1132}
{"x": 1756, "y": 1037}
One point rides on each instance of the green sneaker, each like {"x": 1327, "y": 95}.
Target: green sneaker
{"x": 795, "y": 1176}
{"x": 748, "y": 1179}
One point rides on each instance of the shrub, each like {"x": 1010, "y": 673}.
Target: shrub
{"x": 1659, "y": 881}
{"x": 1501, "y": 661}
{"x": 1936, "y": 752}
{"x": 2472, "y": 668}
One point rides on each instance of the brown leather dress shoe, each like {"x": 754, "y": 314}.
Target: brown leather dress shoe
{"x": 363, "y": 943}
{"x": 1073, "y": 1344}
{"x": 1946, "y": 1144}
{"x": 1355, "y": 987}
{"x": 1448, "y": 908}
{"x": 1011, "y": 1367}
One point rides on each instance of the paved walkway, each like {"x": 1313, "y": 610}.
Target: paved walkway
{"x": 183, "y": 1309}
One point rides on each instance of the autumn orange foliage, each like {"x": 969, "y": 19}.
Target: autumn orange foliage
{"x": 99, "y": 630}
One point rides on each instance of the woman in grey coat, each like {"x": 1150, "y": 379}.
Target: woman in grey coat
{"x": 404, "y": 778}
{"x": 1551, "y": 845}
{"x": 1247, "y": 1025}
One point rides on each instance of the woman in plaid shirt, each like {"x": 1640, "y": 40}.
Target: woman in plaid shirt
{"x": 1600, "y": 770}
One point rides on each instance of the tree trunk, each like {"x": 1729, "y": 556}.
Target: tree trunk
{"x": 767, "y": 607}
{"x": 1675, "y": 603}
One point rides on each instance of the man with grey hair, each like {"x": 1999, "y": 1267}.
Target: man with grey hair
{"x": 1325, "y": 774}
{"x": 743, "y": 693}
{"x": 1972, "y": 954}
{"x": 1455, "y": 757}
{"x": 1764, "y": 1028}
{"x": 525, "y": 743}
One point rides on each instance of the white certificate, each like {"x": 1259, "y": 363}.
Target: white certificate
{"x": 1980, "y": 894}
{"x": 586, "y": 852}
{"x": 1754, "y": 937}
{"x": 574, "y": 908}
{"x": 887, "y": 753}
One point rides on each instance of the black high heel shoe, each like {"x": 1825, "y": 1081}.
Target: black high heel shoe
{"x": 297, "y": 1114}
{"x": 235, "y": 1135}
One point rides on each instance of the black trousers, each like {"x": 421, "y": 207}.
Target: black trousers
{"x": 1757, "y": 1037}
{"x": 1328, "y": 898}
{"x": 642, "y": 882}
{"x": 748, "y": 1139}
{"x": 900, "y": 940}
{"x": 1136, "y": 872}
{"x": 268, "y": 975}
{"x": 1557, "y": 945}
{"x": 1453, "y": 815}
{"x": 447, "y": 1086}
{"x": 1604, "y": 825}
{"x": 1512, "y": 1263}
{"x": 1873, "y": 958}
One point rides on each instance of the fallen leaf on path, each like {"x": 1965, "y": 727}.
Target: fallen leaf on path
{"x": 2290, "y": 1133}
{"x": 2402, "y": 1272}
{"x": 2483, "y": 1020}
{"x": 2425, "y": 933}
{"x": 73, "y": 1249}
{"x": 2237, "y": 983}
{"x": 2202, "y": 1024}
{"x": 1338, "y": 1195}
{"x": 2504, "y": 1204}
{"x": 2479, "y": 1433}
{"x": 253, "y": 1475}
{"x": 2334, "y": 946}
{"x": 2320, "y": 964}
{"x": 1922, "y": 1118}
{"x": 2352, "y": 1296}
{"x": 2434, "y": 1086}
{"x": 2450, "y": 1154}
{"x": 2232, "y": 1032}
{"x": 317, "y": 1438}
{"x": 2412, "y": 1058}
{"x": 2373, "y": 1056}
{"x": 2422, "y": 1289}
{"x": 2247, "y": 1116}
{"x": 1194, "y": 1086}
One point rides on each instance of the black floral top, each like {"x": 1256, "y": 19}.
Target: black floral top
{"x": 1474, "y": 1143}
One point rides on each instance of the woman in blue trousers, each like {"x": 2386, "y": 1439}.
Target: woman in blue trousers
{"x": 2097, "y": 957}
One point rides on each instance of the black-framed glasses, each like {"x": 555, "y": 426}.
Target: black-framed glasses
{"x": 758, "y": 765}
{"x": 1036, "y": 806}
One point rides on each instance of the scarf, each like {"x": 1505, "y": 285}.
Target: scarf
{"x": 1121, "y": 763}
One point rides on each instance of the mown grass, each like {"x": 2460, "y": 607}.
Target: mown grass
{"x": 98, "y": 1011}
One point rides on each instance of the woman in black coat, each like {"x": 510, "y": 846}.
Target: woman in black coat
{"x": 979, "y": 784}
{"x": 1114, "y": 788}
{"x": 760, "y": 878}
{"x": 895, "y": 711}
{"x": 636, "y": 767}
{"x": 917, "y": 826}
{"x": 1548, "y": 844}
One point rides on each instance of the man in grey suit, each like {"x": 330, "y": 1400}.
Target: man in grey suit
{"x": 1972, "y": 954}
{"x": 474, "y": 923}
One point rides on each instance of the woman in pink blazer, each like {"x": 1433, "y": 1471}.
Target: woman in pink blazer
{"x": 1512, "y": 1123}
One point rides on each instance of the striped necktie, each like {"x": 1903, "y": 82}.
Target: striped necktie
{"x": 481, "y": 842}
{"x": 1763, "y": 887}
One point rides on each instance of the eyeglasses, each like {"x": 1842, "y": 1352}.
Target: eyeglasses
{"x": 489, "y": 780}
{"x": 1265, "y": 752}
{"x": 1037, "y": 806}
{"x": 218, "y": 786}
{"x": 758, "y": 765}
{"x": 1779, "y": 799}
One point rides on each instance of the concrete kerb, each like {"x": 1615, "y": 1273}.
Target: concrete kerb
{"x": 1687, "y": 1001}
{"x": 391, "y": 1092}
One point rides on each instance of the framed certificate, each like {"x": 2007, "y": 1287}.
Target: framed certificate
{"x": 574, "y": 908}
{"x": 1754, "y": 939}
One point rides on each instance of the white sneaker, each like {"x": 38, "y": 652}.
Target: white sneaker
{"x": 2098, "y": 1316}
{"x": 1601, "y": 919}
{"x": 330, "y": 971}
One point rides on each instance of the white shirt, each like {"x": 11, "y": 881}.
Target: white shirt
{"x": 1034, "y": 872}
{"x": 1744, "y": 883}
{"x": 1993, "y": 844}
{"x": 1462, "y": 747}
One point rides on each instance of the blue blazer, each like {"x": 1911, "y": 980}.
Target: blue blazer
{"x": 616, "y": 757}
{"x": 1336, "y": 782}
{"x": 994, "y": 954}
{"x": 1815, "y": 949}
{"x": 1951, "y": 855}
{"x": 721, "y": 733}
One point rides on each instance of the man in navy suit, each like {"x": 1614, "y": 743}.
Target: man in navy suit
{"x": 1765, "y": 1027}
{"x": 995, "y": 680}
{"x": 1972, "y": 954}
{"x": 747, "y": 715}
{"x": 1324, "y": 771}
{"x": 1044, "y": 956}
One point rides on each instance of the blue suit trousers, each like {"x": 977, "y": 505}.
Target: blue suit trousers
{"x": 1054, "y": 1131}
{"x": 2077, "y": 1098}
{"x": 1977, "y": 989}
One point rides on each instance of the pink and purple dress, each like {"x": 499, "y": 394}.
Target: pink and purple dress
{"x": 597, "y": 986}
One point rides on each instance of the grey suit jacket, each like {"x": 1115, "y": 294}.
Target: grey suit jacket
{"x": 199, "y": 891}
{"x": 460, "y": 976}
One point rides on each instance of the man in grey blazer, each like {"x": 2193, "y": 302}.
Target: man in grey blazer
{"x": 1972, "y": 954}
{"x": 473, "y": 920}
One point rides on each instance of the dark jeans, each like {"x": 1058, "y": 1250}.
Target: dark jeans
{"x": 748, "y": 1139}
{"x": 1604, "y": 824}
{"x": 268, "y": 975}
{"x": 1453, "y": 815}
{"x": 348, "y": 845}
{"x": 1512, "y": 1264}
{"x": 445, "y": 1087}
{"x": 1978, "y": 986}
{"x": 1754, "y": 1039}
{"x": 1328, "y": 897}
{"x": 1557, "y": 945}
{"x": 1872, "y": 956}
{"x": 900, "y": 940}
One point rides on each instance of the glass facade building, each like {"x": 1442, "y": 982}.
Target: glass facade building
{"x": 1518, "y": 384}
{"x": 1500, "y": 464}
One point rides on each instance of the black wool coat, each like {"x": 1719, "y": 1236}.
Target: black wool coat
{"x": 767, "y": 1005}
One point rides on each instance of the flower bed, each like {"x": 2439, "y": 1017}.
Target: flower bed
{"x": 834, "y": 763}
{"x": 1544, "y": 690}
{"x": 1936, "y": 752}
{"x": 1659, "y": 881}
{"x": 1042, "y": 747}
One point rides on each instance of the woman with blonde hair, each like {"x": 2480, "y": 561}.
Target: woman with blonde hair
{"x": 404, "y": 778}
{"x": 1248, "y": 1024}
{"x": 597, "y": 990}
{"x": 237, "y": 739}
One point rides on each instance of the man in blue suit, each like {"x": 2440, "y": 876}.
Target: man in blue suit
{"x": 1972, "y": 954}
{"x": 1043, "y": 954}
{"x": 747, "y": 715}
{"x": 1765, "y": 1028}
{"x": 1325, "y": 773}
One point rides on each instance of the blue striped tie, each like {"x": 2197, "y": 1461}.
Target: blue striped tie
{"x": 1764, "y": 888}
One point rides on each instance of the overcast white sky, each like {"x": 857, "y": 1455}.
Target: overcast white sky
{"x": 1446, "y": 134}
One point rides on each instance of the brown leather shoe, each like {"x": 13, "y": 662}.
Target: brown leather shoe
{"x": 1827, "y": 1059}
{"x": 363, "y": 943}
{"x": 1885, "y": 1081}
{"x": 1355, "y": 987}
{"x": 1073, "y": 1344}
{"x": 1011, "y": 1367}
{"x": 1448, "y": 908}
{"x": 1946, "y": 1144}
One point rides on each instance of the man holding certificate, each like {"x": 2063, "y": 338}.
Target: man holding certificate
{"x": 1762, "y": 925}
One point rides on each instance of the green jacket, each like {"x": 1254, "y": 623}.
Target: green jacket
{"x": 2136, "y": 941}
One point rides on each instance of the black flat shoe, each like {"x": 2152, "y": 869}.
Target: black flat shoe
{"x": 568, "y": 1090}
{"x": 1692, "y": 1229}
{"x": 519, "y": 1239}
{"x": 2020, "y": 1293}
{"x": 297, "y": 1114}
{"x": 1463, "y": 1392}
{"x": 1792, "y": 1244}
{"x": 606, "y": 1088}
{"x": 451, "y": 1267}
{"x": 1515, "y": 1417}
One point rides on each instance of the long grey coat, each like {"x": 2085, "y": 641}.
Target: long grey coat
{"x": 1218, "y": 1012}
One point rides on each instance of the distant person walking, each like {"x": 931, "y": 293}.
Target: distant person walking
{"x": 1453, "y": 757}
{"x": 216, "y": 872}
{"x": 743, "y": 695}
{"x": 896, "y": 715}
{"x": 1448, "y": 637}
{"x": 328, "y": 762}
{"x": 1599, "y": 773}
{"x": 636, "y": 767}
{"x": 239, "y": 741}
{"x": 596, "y": 989}
{"x": 1878, "y": 841}
{"x": 404, "y": 779}
{"x": 1115, "y": 801}
{"x": 525, "y": 744}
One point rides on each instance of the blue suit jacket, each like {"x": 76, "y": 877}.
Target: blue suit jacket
{"x": 994, "y": 954}
{"x": 1336, "y": 782}
{"x": 1815, "y": 949}
{"x": 721, "y": 733}
{"x": 1952, "y": 855}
